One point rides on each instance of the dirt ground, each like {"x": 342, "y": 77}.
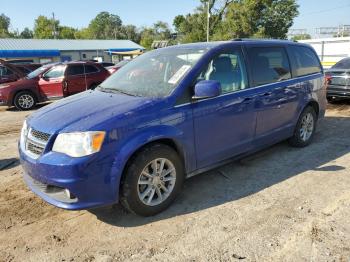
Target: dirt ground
{"x": 282, "y": 204}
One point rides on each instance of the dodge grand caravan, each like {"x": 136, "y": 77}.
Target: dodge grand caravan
{"x": 168, "y": 115}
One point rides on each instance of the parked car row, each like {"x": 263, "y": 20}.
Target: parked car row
{"x": 52, "y": 81}
{"x": 11, "y": 71}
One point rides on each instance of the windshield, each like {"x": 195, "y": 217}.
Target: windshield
{"x": 36, "y": 72}
{"x": 154, "y": 74}
{"x": 342, "y": 64}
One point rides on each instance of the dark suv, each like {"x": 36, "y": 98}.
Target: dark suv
{"x": 12, "y": 72}
{"x": 52, "y": 81}
{"x": 338, "y": 78}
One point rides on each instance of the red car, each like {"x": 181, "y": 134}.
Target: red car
{"x": 115, "y": 68}
{"x": 50, "y": 82}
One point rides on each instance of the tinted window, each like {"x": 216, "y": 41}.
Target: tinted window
{"x": 4, "y": 71}
{"x": 55, "y": 72}
{"x": 342, "y": 64}
{"x": 90, "y": 69}
{"x": 23, "y": 69}
{"x": 269, "y": 65}
{"x": 229, "y": 70}
{"x": 305, "y": 61}
{"x": 75, "y": 70}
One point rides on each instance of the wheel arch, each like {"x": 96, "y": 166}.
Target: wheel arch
{"x": 30, "y": 90}
{"x": 130, "y": 149}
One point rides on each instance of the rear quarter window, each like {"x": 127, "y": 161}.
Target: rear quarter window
{"x": 304, "y": 61}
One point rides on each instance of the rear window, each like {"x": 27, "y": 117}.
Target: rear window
{"x": 269, "y": 65}
{"x": 4, "y": 71}
{"x": 305, "y": 61}
{"x": 23, "y": 69}
{"x": 342, "y": 64}
{"x": 91, "y": 69}
{"x": 75, "y": 70}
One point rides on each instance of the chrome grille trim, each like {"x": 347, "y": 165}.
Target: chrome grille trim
{"x": 35, "y": 143}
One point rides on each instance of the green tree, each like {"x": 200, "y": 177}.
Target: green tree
{"x": 83, "y": 33}
{"x": 4, "y": 26}
{"x": 26, "y": 33}
{"x": 44, "y": 27}
{"x": 66, "y": 32}
{"x": 238, "y": 19}
{"x": 258, "y": 18}
{"x": 147, "y": 37}
{"x": 130, "y": 32}
{"x": 105, "y": 26}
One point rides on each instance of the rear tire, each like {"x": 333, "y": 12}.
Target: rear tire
{"x": 152, "y": 180}
{"x": 305, "y": 128}
{"x": 25, "y": 100}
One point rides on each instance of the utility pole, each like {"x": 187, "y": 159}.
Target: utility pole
{"x": 54, "y": 26}
{"x": 208, "y": 20}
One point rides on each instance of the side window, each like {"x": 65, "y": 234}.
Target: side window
{"x": 228, "y": 69}
{"x": 23, "y": 69}
{"x": 305, "y": 61}
{"x": 4, "y": 71}
{"x": 55, "y": 72}
{"x": 73, "y": 70}
{"x": 91, "y": 69}
{"x": 269, "y": 65}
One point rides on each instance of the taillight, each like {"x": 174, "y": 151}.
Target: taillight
{"x": 328, "y": 79}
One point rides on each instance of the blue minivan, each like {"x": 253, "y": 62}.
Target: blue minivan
{"x": 170, "y": 114}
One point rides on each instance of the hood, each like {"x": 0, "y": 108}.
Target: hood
{"x": 85, "y": 111}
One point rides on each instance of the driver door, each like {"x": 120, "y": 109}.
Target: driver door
{"x": 224, "y": 126}
{"x": 50, "y": 84}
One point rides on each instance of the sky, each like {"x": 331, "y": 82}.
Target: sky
{"x": 78, "y": 13}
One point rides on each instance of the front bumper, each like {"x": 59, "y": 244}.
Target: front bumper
{"x": 89, "y": 180}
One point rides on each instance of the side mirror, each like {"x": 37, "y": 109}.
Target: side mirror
{"x": 206, "y": 89}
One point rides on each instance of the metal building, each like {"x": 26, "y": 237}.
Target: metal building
{"x": 50, "y": 50}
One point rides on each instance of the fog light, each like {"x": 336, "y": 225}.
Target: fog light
{"x": 69, "y": 194}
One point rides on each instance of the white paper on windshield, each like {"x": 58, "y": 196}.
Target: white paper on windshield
{"x": 179, "y": 74}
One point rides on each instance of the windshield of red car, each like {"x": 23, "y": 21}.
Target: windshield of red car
{"x": 36, "y": 72}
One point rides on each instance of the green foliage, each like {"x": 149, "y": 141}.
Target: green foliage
{"x": 159, "y": 31}
{"x": 105, "y": 26}
{"x": 26, "y": 33}
{"x": 301, "y": 37}
{"x": 238, "y": 19}
{"x": 4, "y": 26}
{"x": 66, "y": 32}
{"x": 44, "y": 27}
{"x": 130, "y": 32}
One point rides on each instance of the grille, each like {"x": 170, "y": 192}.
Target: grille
{"x": 36, "y": 142}
{"x": 40, "y": 135}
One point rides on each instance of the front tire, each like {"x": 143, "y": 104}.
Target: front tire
{"x": 152, "y": 180}
{"x": 24, "y": 100}
{"x": 305, "y": 128}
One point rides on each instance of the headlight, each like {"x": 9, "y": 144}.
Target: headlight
{"x": 4, "y": 86}
{"x": 24, "y": 133}
{"x": 79, "y": 144}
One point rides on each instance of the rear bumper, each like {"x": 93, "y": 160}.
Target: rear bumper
{"x": 337, "y": 91}
{"x": 88, "y": 180}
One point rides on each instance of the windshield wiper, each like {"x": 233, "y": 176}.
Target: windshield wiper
{"x": 113, "y": 90}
